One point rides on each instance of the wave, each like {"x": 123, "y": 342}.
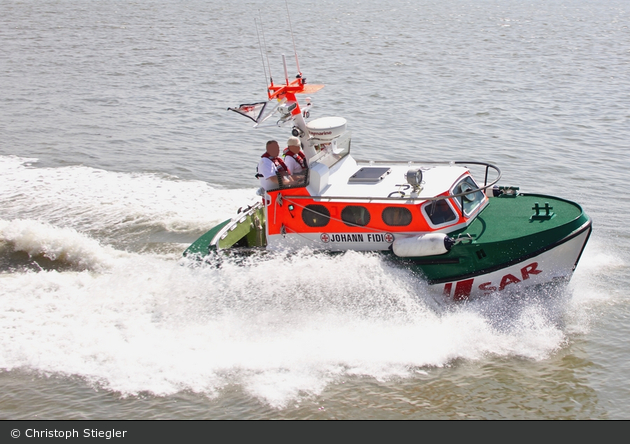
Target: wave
{"x": 282, "y": 328}
{"x": 53, "y": 247}
{"x": 116, "y": 207}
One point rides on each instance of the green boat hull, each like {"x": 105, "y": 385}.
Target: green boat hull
{"x": 507, "y": 231}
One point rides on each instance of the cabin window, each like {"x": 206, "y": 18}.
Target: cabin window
{"x": 316, "y": 215}
{"x": 396, "y": 216}
{"x": 353, "y": 215}
{"x": 439, "y": 212}
{"x": 469, "y": 202}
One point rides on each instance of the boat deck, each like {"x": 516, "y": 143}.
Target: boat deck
{"x": 509, "y": 218}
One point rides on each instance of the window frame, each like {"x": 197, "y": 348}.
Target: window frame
{"x": 426, "y": 209}
{"x": 399, "y": 208}
{"x": 318, "y": 213}
{"x": 462, "y": 202}
{"x": 354, "y": 224}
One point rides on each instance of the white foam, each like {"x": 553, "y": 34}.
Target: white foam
{"x": 92, "y": 199}
{"x": 281, "y": 328}
{"x": 598, "y": 265}
{"x": 56, "y": 244}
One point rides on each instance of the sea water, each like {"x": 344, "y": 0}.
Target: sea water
{"x": 117, "y": 151}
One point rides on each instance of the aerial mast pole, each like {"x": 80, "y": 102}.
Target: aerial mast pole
{"x": 262, "y": 29}
{"x": 297, "y": 63}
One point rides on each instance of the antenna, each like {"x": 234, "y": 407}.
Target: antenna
{"x": 286, "y": 73}
{"x": 262, "y": 58}
{"x": 265, "y": 43}
{"x": 293, "y": 38}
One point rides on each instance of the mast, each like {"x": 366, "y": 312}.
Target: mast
{"x": 297, "y": 63}
{"x": 289, "y": 106}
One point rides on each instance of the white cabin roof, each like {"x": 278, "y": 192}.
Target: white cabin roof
{"x": 436, "y": 179}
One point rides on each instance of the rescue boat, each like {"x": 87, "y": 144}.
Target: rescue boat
{"x": 449, "y": 221}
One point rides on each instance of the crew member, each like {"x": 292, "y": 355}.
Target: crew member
{"x": 294, "y": 157}
{"x": 272, "y": 171}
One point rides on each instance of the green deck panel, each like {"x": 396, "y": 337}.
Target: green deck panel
{"x": 502, "y": 233}
{"x": 508, "y": 218}
{"x": 202, "y": 245}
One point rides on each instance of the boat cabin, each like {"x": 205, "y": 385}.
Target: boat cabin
{"x": 345, "y": 203}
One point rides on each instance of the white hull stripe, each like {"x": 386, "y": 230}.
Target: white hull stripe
{"x": 556, "y": 264}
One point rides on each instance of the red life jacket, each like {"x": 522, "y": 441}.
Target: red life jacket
{"x": 299, "y": 157}
{"x": 281, "y": 167}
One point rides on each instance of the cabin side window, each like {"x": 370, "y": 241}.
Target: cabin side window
{"x": 439, "y": 212}
{"x": 316, "y": 215}
{"x": 396, "y": 216}
{"x": 469, "y": 202}
{"x": 354, "y": 215}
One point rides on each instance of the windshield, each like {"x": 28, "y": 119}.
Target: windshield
{"x": 330, "y": 152}
{"x": 469, "y": 201}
